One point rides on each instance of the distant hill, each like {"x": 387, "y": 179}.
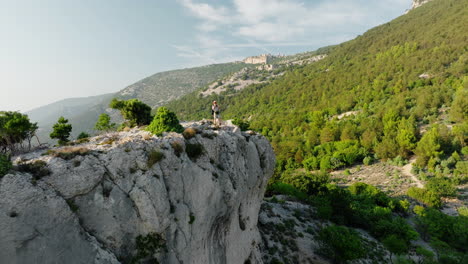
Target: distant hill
{"x": 154, "y": 91}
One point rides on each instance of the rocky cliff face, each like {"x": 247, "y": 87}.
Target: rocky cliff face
{"x": 418, "y": 3}
{"x": 199, "y": 197}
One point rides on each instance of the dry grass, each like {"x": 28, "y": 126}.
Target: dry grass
{"x": 189, "y": 132}
{"x": 178, "y": 148}
{"x": 147, "y": 136}
{"x": 68, "y": 153}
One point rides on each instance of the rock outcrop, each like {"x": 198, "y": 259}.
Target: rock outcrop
{"x": 418, "y": 3}
{"x": 89, "y": 203}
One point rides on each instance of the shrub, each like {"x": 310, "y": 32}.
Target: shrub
{"x": 178, "y": 148}
{"x": 310, "y": 183}
{"x": 286, "y": 189}
{"x": 395, "y": 245}
{"x": 189, "y": 132}
{"x": 194, "y": 151}
{"x": 340, "y": 243}
{"x": 83, "y": 135}
{"x": 37, "y": 169}
{"x": 134, "y": 111}
{"x": 61, "y": 131}
{"x": 441, "y": 186}
{"x": 68, "y": 153}
{"x": 147, "y": 246}
{"x": 429, "y": 198}
{"x": 367, "y": 160}
{"x": 243, "y": 125}
{"x": 164, "y": 121}
{"x": 154, "y": 157}
{"x": 311, "y": 163}
{"x": 5, "y": 165}
{"x": 191, "y": 218}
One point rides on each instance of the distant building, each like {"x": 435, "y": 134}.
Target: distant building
{"x": 262, "y": 59}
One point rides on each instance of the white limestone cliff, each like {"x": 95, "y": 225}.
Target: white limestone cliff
{"x": 99, "y": 196}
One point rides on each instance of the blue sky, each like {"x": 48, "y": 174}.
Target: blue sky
{"x": 56, "y": 49}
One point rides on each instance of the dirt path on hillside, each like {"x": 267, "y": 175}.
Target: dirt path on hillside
{"x": 406, "y": 170}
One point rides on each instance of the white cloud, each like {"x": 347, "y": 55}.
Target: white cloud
{"x": 279, "y": 23}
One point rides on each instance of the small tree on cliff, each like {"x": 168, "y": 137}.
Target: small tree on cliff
{"x": 103, "y": 123}
{"x": 15, "y": 128}
{"x": 164, "y": 121}
{"x": 61, "y": 131}
{"x": 135, "y": 112}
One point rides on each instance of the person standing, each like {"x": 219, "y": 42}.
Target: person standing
{"x": 216, "y": 115}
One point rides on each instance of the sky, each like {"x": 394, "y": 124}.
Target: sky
{"x": 56, "y": 49}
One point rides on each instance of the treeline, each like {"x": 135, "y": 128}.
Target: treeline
{"x": 16, "y": 130}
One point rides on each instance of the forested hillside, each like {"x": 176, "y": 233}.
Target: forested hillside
{"x": 398, "y": 92}
{"x": 397, "y": 77}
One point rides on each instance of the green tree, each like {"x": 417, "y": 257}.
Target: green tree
{"x": 83, "y": 135}
{"x": 340, "y": 244}
{"x": 164, "y": 121}
{"x": 428, "y": 147}
{"x": 61, "y": 131}
{"x": 406, "y": 136}
{"x": 14, "y": 129}
{"x": 104, "y": 123}
{"x": 395, "y": 245}
{"x": 459, "y": 109}
{"x": 135, "y": 112}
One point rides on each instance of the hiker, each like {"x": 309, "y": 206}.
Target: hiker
{"x": 215, "y": 113}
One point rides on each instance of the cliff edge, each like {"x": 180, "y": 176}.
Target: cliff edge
{"x": 131, "y": 197}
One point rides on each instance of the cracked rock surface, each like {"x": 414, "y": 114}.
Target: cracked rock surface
{"x": 102, "y": 194}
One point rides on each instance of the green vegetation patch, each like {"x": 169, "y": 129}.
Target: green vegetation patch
{"x": 194, "y": 151}
{"x": 340, "y": 243}
{"x": 154, "y": 157}
{"x": 147, "y": 247}
{"x": 5, "y": 165}
{"x": 37, "y": 168}
{"x": 164, "y": 121}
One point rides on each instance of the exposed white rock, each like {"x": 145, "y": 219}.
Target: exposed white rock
{"x": 206, "y": 208}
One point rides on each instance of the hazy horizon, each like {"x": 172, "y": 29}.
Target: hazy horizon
{"x": 58, "y": 49}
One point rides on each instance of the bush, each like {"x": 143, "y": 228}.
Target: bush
{"x": 367, "y": 160}
{"x": 311, "y": 163}
{"x": 83, "y": 135}
{"x": 37, "y": 169}
{"x": 340, "y": 243}
{"x": 286, "y": 189}
{"x": 61, "y": 131}
{"x": 147, "y": 246}
{"x": 134, "y": 111}
{"x": 441, "y": 186}
{"x": 5, "y": 165}
{"x": 310, "y": 183}
{"x": 178, "y": 148}
{"x": 189, "y": 132}
{"x": 68, "y": 153}
{"x": 154, "y": 157}
{"x": 194, "y": 151}
{"x": 427, "y": 197}
{"x": 164, "y": 121}
{"x": 243, "y": 125}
